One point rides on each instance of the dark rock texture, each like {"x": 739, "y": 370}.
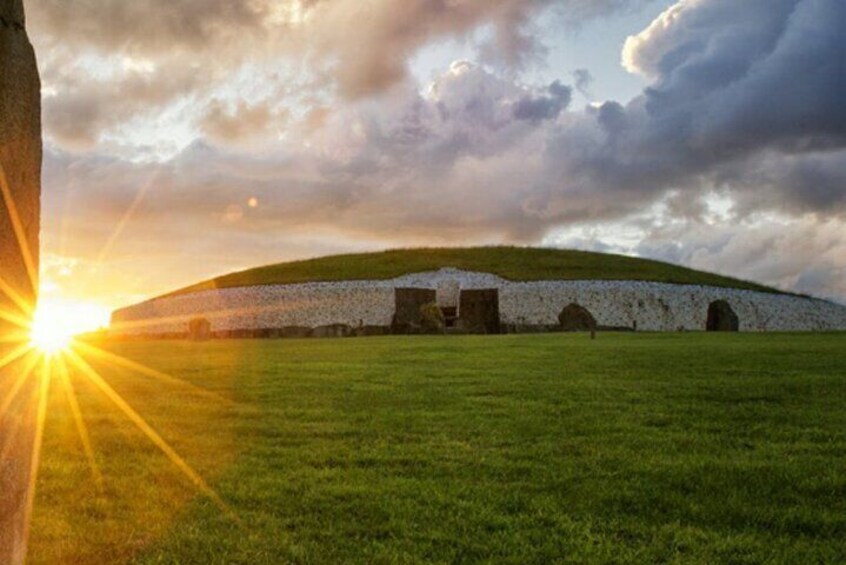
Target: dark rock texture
{"x": 409, "y": 301}
{"x": 20, "y": 187}
{"x": 576, "y": 318}
{"x": 722, "y": 318}
{"x": 20, "y": 160}
{"x": 478, "y": 311}
{"x": 332, "y": 330}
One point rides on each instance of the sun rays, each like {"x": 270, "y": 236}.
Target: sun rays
{"x": 40, "y": 356}
{"x": 40, "y": 361}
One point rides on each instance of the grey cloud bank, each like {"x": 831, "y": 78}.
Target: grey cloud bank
{"x": 744, "y": 99}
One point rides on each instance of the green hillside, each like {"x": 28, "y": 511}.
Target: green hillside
{"x": 512, "y": 263}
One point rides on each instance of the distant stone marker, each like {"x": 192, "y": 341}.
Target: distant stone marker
{"x": 20, "y": 195}
{"x": 576, "y": 318}
{"x": 199, "y": 329}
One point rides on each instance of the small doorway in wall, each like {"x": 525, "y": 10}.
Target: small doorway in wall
{"x": 450, "y": 316}
{"x": 722, "y": 318}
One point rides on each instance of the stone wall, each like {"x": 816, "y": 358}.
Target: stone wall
{"x": 20, "y": 160}
{"x": 523, "y": 305}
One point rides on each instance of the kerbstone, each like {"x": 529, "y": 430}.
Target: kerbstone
{"x": 647, "y": 306}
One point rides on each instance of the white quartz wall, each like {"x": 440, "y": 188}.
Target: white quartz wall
{"x": 654, "y": 306}
{"x": 664, "y": 307}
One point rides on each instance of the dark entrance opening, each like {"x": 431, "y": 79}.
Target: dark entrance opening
{"x": 721, "y": 318}
{"x": 478, "y": 310}
{"x": 450, "y": 315}
{"x": 576, "y": 318}
{"x": 408, "y": 304}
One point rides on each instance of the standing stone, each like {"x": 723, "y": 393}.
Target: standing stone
{"x": 577, "y": 318}
{"x": 478, "y": 310}
{"x": 20, "y": 159}
{"x": 408, "y": 303}
{"x": 20, "y": 187}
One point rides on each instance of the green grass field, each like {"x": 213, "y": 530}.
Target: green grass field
{"x": 688, "y": 448}
{"x": 513, "y": 263}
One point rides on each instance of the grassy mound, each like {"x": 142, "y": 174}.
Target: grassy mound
{"x": 512, "y": 263}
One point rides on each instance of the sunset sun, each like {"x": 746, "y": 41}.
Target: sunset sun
{"x": 51, "y": 331}
{"x": 55, "y": 323}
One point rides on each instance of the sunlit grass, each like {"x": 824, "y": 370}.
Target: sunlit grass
{"x": 630, "y": 448}
{"x": 41, "y": 354}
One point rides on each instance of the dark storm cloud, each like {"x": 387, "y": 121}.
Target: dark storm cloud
{"x": 734, "y": 86}
{"x": 547, "y": 106}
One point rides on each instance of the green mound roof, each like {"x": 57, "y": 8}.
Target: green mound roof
{"x": 512, "y": 263}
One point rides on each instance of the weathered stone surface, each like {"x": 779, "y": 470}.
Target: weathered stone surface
{"x": 371, "y": 331}
{"x": 199, "y": 329}
{"x": 332, "y": 330}
{"x": 409, "y": 301}
{"x": 295, "y": 332}
{"x": 432, "y": 319}
{"x": 478, "y": 310}
{"x": 575, "y": 318}
{"x": 523, "y": 306}
{"x": 20, "y": 157}
{"x": 20, "y": 185}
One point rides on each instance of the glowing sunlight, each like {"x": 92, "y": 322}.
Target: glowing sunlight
{"x": 55, "y": 323}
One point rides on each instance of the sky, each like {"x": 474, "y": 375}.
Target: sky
{"x": 185, "y": 139}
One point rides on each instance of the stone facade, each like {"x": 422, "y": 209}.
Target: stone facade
{"x": 523, "y": 306}
{"x": 20, "y": 159}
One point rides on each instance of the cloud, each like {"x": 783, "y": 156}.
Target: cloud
{"x": 547, "y": 106}
{"x": 743, "y": 98}
{"x": 736, "y": 90}
{"x": 147, "y": 27}
{"x": 360, "y": 46}
{"x": 583, "y": 81}
{"x": 240, "y": 123}
{"x": 810, "y": 252}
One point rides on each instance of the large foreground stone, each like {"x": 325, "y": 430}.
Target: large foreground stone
{"x": 20, "y": 159}
{"x": 20, "y": 186}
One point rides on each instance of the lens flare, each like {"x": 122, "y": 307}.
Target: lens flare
{"x": 52, "y": 330}
{"x": 56, "y": 322}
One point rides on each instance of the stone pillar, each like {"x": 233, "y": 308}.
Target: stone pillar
{"x": 20, "y": 187}
{"x": 20, "y": 159}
